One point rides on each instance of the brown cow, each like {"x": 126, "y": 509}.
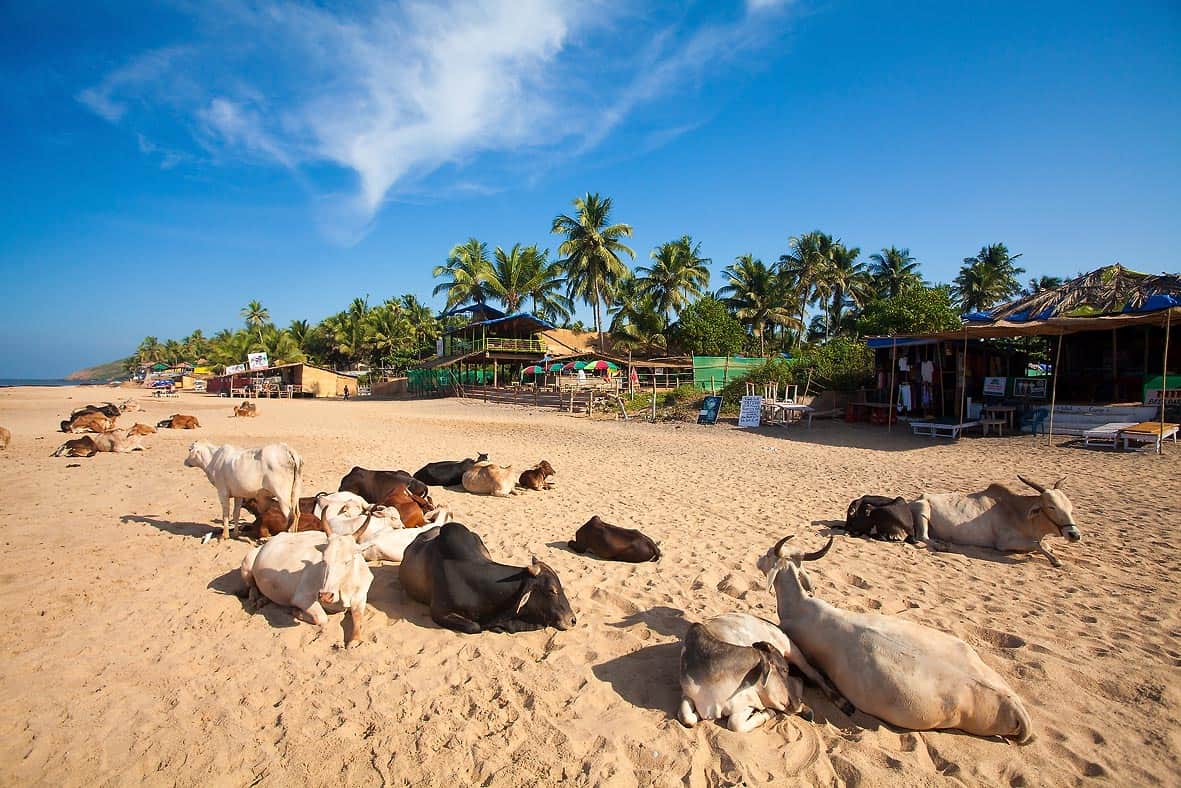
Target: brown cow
{"x": 246, "y": 409}
{"x": 269, "y": 519}
{"x": 5, "y": 438}
{"x": 88, "y": 445}
{"x": 141, "y": 429}
{"x": 614, "y": 543}
{"x": 179, "y": 421}
{"x": 90, "y": 421}
{"x": 537, "y": 477}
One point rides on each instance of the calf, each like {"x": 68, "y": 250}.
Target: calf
{"x": 117, "y": 441}
{"x": 484, "y": 478}
{"x": 309, "y": 570}
{"x": 449, "y": 569}
{"x": 736, "y": 667}
{"x": 537, "y": 477}
{"x": 89, "y": 421}
{"x": 141, "y": 429}
{"x": 889, "y": 519}
{"x": 614, "y": 543}
{"x": 246, "y": 409}
{"x": 446, "y": 473}
{"x": 269, "y": 518}
{"x": 178, "y": 421}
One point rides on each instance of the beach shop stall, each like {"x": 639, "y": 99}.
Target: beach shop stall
{"x": 1100, "y": 339}
{"x": 284, "y": 380}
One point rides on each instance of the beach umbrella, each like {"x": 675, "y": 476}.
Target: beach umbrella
{"x": 533, "y": 370}
{"x": 599, "y": 366}
{"x": 571, "y": 365}
{"x": 557, "y": 367}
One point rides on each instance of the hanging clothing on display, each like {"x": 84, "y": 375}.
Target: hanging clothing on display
{"x": 927, "y": 395}
{"x": 903, "y": 365}
{"x": 927, "y": 369}
{"x": 904, "y": 397}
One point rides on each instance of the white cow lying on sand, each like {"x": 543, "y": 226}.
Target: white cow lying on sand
{"x": 485, "y": 478}
{"x": 735, "y": 667}
{"x": 310, "y": 569}
{"x": 272, "y": 470}
{"x": 384, "y": 539}
{"x": 997, "y": 517}
{"x": 904, "y": 673}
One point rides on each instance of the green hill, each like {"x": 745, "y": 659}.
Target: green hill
{"x": 112, "y": 370}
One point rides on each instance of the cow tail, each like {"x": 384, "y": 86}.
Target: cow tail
{"x": 296, "y": 485}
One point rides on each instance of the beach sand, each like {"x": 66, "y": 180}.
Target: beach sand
{"x": 128, "y": 659}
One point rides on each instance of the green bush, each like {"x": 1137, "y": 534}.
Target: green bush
{"x": 918, "y": 310}
{"x": 706, "y": 328}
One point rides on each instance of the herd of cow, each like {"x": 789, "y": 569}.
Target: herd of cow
{"x": 314, "y": 553}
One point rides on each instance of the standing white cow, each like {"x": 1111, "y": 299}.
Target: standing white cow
{"x": 997, "y": 517}
{"x": 311, "y": 569}
{"x": 904, "y": 673}
{"x": 272, "y": 470}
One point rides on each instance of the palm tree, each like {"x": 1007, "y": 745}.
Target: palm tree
{"x": 280, "y": 346}
{"x": 591, "y": 253}
{"x": 636, "y": 321}
{"x": 390, "y": 332}
{"x": 173, "y": 351}
{"x": 546, "y": 286}
{"x": 507, "y": 279}
{"x": 894, "y": 271}
{"x": 150, "y": 351}
{"x": 678, "y": 274}
{"x": 423, "y": 323}
{"x": 256, "y": 316}
{"x": 987, "y": 278}
{"x": 806, "y": 264}
{"x": 467, "y": 271}
{"x": 847, "y": 284}
{"x": 301, "y": 333}
{"x": 195, "y": 346}
{"x": 758, "y": 296}
{"x": 1041, "y": 284}
{"x": 231, "y": 347}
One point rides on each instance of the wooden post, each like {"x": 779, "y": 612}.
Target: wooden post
{"x": 1164, "y": 381}
{"x": 653, "y": 394}
{"x": 893, "y": 365}
{"x": 725, "y": 372}
{"x": 1054, "y": 393}
{"x": 572, "y": 399}
{"x": 1114, "y": 370}
{"x": 964, "y": 380}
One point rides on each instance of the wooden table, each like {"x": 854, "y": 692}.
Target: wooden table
{"x": 1003, "y": 411}
{"x": 1150, "y": 432}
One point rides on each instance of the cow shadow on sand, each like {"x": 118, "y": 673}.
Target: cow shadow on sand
{"x": 196, "y": 530}
{"x": 231, "y": 584}
{"x": 646, "y": 678}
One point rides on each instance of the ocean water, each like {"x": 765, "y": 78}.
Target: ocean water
{"x": 5, "y": 382}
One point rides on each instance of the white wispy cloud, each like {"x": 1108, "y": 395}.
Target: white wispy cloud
{"x": 397, "y": 92}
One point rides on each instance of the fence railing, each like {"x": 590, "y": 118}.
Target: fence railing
{"x": 459, "y": 348}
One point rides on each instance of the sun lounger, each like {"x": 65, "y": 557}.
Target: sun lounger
{"x": 941, "y": 429}
{"x": 1149, "y": 432}
{"x": 1106, "y": 434}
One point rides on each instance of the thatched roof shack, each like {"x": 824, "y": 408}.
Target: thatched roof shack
{"x": 1106, "y": 330}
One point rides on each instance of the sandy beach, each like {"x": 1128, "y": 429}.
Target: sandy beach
{"x": 128, "y": 659}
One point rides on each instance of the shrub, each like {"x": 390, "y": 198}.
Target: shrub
{"x": 706, "y": 328}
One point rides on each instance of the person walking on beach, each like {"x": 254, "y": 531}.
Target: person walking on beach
{"x": 346, "y": 393}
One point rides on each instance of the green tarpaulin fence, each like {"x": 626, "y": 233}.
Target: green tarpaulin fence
{"x": 714, "y": 372}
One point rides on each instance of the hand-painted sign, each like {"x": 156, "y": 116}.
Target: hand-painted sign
{"x": 750, "y": 412}
{"x": 257, "y": 360}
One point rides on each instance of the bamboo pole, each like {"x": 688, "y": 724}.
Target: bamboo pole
{"x": 654, "y": 394}
{"x": 1164, "y": 382}
{"x": 1114, "y": 369}
{"x": 1054, "y": 393}
{"x": 964, "y": 376}
{"x": 890, "y": 398}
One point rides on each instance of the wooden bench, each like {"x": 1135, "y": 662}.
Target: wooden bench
{"x": 940, "y": 429}
{"x": 1150, "y": 432}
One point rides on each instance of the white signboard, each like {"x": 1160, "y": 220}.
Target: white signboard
{"x": 750, "y": 412}
{"x": 439, "y": 346}
{"x": 1172, "y": 397}
{"x": 257, "y": 360}
{"x": 994, "y": 387}
{"x": 235, "y": 369}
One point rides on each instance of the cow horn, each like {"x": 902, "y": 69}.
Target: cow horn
{"x": 778, "y": 548}
{"x": 534, "y": 568}
{"x": 1058, "y": 483}
{"x": 1034, "y": 485}
{"x": 324, "y": 519}
{"x": 360, "y": 532}
{"x": 818, "y": 554}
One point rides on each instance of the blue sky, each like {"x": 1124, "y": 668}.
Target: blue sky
{"x": 165, "y": 163}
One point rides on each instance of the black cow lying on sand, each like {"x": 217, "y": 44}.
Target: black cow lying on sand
{"x": 447, "y": 473}
{"x": 614, "y": 543}
{"x": 449, "y": 568}
{"x": 888, "y": 519}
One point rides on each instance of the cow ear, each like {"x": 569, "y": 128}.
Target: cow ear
{"x": 771, "y": 579}
{"x": 524, "y": 599}
{"x": 1034, "y": 511}
{"x": 805, "y": 581}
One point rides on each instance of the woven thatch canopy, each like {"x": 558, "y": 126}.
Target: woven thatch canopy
{"x": 1112, "y": 290}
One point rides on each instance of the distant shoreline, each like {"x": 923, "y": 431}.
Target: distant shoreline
{"x": 8, "y": 383}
